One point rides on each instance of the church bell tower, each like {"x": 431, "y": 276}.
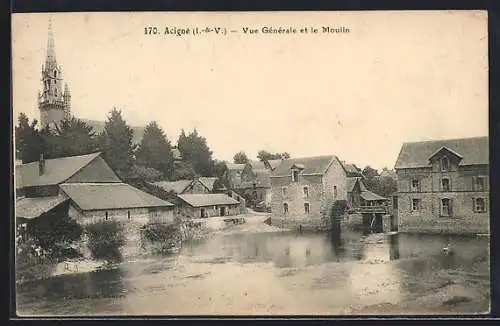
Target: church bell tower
{"x": 54, "y": 101}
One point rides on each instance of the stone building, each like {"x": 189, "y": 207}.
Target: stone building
{"x": 208, "y": 205}
{"x": 443, "y": 186}
{"x": 54, "y": 101}
{"x": 92, "y": 189}
{"x": 304, "y": 189}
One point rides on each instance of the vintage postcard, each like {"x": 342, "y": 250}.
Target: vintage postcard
{"x": 251, "y": 163}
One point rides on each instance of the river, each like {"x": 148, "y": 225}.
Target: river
{"x": 255, "y": 269}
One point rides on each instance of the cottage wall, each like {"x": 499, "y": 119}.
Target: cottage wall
{"x": 96, "y": 171}
{"x": 210, "y": 211}
{"x": 428, "y": 218}
{"x": 144, "y": 215}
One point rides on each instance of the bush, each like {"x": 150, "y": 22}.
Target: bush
{"x": 52, "y": 230}
{"x": 105, "y": 238}
{"x": 167, "y": 235}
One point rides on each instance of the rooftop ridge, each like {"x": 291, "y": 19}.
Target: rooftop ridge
{"x": 444, "y": 140}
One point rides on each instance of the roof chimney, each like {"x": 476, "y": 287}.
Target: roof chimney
{"x": 41, "y": 165}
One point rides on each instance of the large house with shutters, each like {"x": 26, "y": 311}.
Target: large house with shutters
{"x": 443, "y": 186}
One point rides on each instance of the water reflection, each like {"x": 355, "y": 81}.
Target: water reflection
{"x": 326, "y": 271}
{"x": 106, "y": 283}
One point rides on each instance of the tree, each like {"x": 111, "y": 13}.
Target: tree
{"x": 145, "y": 173}
{"x": 72, "y": 137}
{"x": 194, "y": 149}
{"x": 220, "y": 169}
{"x": 182, "y": 171}
{"x": 263, "y": 155}
{"x": 155, "y": 151}
{"x": 383, "y": 186}
{"x": 27, "y": 139}
{"x": 369, "y": 172}
{"x": 240, "y": 158}
{"x": 116, "y": 143}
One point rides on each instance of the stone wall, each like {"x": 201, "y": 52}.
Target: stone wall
{"x": 295, "y": 198}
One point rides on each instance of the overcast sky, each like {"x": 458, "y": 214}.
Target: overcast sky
{"x": 395, "y": 77}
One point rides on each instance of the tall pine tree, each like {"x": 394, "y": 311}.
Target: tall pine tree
{"x": 194, "y": 150}
{"x": 116, "y": 144}
{"x": 155, "y": 151}
{"x": 27, "y": 139}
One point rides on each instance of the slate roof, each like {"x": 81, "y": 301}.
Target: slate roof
{"x": 352, "y": 170}
{"x": 416, "y": 154}
{"x": 208, "y": 182}
{"x": 274, "y": 163}
{"x": 176, "y": 186}
{"x": 371, "y": 196}
{"x": 202, "y": 200}
{"x": 312, "y": 165}
{"x": 57, "y": 170}
{"x": 30, "y": 208}
{"x": 102, "y": 196}
{"x": 233, "y": 166}
{"x": 258, "y": 165}
{"x": 351, "y": 182}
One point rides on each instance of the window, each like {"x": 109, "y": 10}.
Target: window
{"x": 334, "y": 192}
{"x": 415, "y": 204}
{"x": 295, "y": 175}
{"x": 306, "y": 192}
{"x": 285, "y": 208}
{"x": 128, "y": 215}
{"x": 445, "y": 184}
{"x": 445, "y": 207}
{"x": 55, "y": 73}
{"x": 415, "y": 185}
{"x": 283, "y": 191}
{"x": 479, "y": 205}
{"x": 478, "y": 183}
{"x": 153, "y": 212}
{"x": 306, "y": 208}
{"x": 106, "y": 215}
{"x": 445, "y": 164}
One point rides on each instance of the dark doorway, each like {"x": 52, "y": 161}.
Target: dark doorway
{"x": 203, "y": 213}
{"x": 222, "y": 211}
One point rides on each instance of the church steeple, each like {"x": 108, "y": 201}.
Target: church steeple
{"x": 53, "y": 103}
{"x": 50, "y": 60}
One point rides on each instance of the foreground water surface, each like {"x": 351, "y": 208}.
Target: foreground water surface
{"x": 264, "y": 271}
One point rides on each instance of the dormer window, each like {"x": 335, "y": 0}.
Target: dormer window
{"x": 295, "y": 175}
{"x": 445, "y": 164}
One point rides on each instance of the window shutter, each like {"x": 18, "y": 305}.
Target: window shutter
{"x": 451, "y": 207}
{"x": 486, "y": 207}
{"x": 473, "y": 204}
{"x": 473, "y": 187}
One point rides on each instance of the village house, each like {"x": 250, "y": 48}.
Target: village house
{"x": 90, "y": 189}
{"x": 359, "y": 198}
{"x": 304, "y": 189}
{"x": 443, "y": 186}
{"x": 208, "y": 205}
